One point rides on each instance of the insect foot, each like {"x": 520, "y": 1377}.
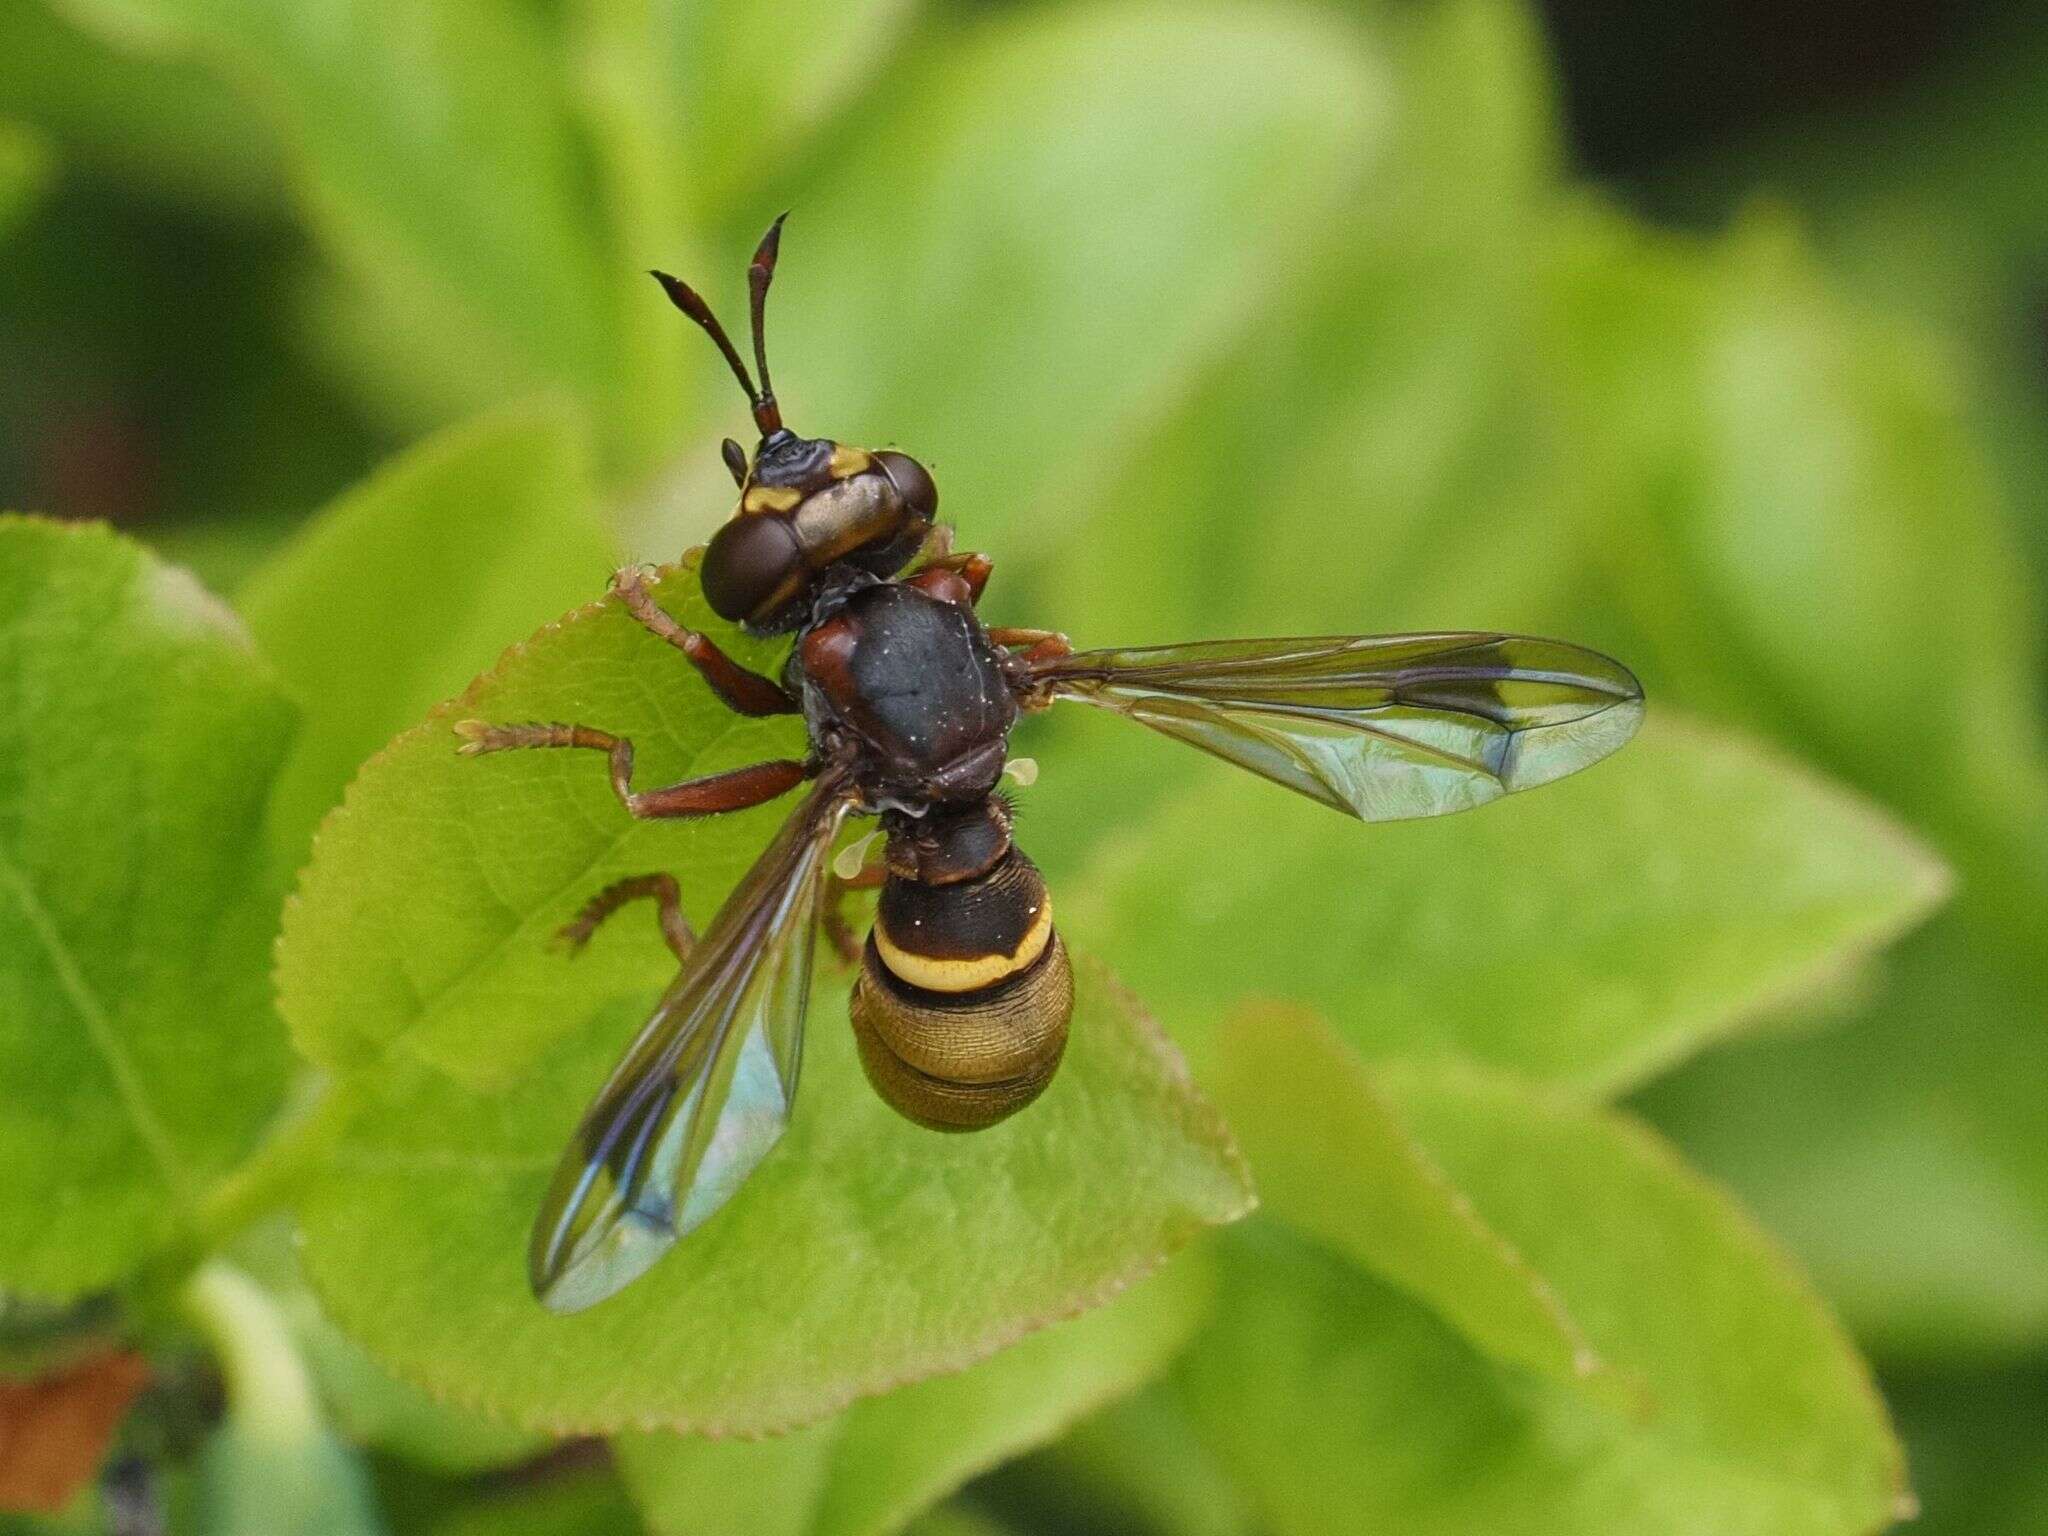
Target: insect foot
{"x": 480, "y": 736}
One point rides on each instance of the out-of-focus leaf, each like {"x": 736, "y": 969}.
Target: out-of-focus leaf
{"x": 1809, "y": 541}
{"x": 956, "y": 1520}
{"x": 1136, "y": 1465}
{"x": 271, "y": 1465}
{"x": 865, "y": 1253}
{"x": 1340, "y": 1403}
{"x": 690, "y": 110}
{"x": 870, "y": 1469}
{"x": 1588, "y": 934}
{"x": 1918, "y": 203}
{"x": 425, "y": 916}
{"x": 1333, "y": 1161}
{"x": 1974, "y": 1440}
{"x": 166, "y": 123}
{"x": 1807, "y": 533}
{"x": 433, "y": 147}
{"x": 585, "y": 1504}
{"x": 368, "y": 1406}
{"x": 139, "y": 1056}
{"x": 409, "y": 585}
{"x": 1369, "y": 453}
{"x": 24, "y": 168}
{"x": 251, "y": 1485}
{"x": 1901, "y": 1156}
{"x": 739, "y": 107}
{"x": 1372, "y": 422}
{"x": 1141, "y": 178}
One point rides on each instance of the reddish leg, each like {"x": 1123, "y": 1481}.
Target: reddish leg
{"x": 747, "y": 693}
{"x": 944, "y": 583}
{"x": 735, "y": 791}
{"x": 837, "y": 928}
{"x": 660, "y": 889}
{"x": 972, "y": 569}
{"x": 1039, "y": 644}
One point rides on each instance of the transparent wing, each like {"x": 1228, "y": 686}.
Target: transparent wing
{"x": 706, "y": 1088}
{"x": 1385, "y": 727}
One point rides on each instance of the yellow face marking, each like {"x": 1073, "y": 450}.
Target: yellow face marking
{"x": 969, "y": 975}
{"x": 847, "y": 461}
{"x": 770, "y": 498}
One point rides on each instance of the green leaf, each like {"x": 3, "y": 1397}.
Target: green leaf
{"x": 1335, "y": 1162}
{"x": 1371, "y": 424}
{"x": 865, "y": 1253}
{"x": 580, "y": 1504}
{"x": 1141, "y": 178}
{"x": 250, "y": 1485}
{"x": 955, "y": 1520}
{"x": 139, "y": 1057}
{"x": 423, "y": 921}
{"x": 1339, "y": 1402}
{"x": 1901, "y": 1155}
{"x": 1137, "y": 1465}
{"x": 872, "y": 1468}
{"x": 165, "y": 123}
{"x": 1802, "y": 503}
{"x": 24, "y": 169}
{"x": 368, "y": 1406}
{"x": 1587, "y": 935}
{"x": 417, "y": 945}
{"x": 434, "y": 149}
{"x": 1973, "y": 1437}
{"x": 732, "y": 115}
{"x": 272, "y": 1464}
{"x": 1335, "y": 465}
{"x": 692, "y": 115}
{"x": 407, "y": 587}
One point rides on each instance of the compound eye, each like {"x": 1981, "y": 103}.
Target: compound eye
{"x": 748, "y": 565}
{"x": 913, "y": 483}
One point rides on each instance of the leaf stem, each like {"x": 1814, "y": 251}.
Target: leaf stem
{"x": 267, "y": 1383}
{"x": 267, "y": 1180}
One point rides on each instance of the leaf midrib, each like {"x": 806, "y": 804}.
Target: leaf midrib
{"x": 99, "y": 1029}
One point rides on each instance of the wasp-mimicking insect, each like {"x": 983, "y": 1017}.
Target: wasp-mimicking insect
{"x": 961, "y": 1005}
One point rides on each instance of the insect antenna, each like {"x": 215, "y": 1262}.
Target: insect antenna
{"x": 691, "y": 303}
{"x": 760, "y": 273}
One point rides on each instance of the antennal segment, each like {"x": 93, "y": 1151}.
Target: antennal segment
{"x": 691, "y": 303}
{"x": 760, "y": 273}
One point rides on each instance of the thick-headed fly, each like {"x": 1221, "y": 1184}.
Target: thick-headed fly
{"x": 964, "y": 992}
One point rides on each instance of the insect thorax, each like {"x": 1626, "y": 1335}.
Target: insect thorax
{"x": 917, "y": 690}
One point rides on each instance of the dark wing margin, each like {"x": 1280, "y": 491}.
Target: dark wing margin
{"x": 1384, "y": 727}
{"x": 705, "y": 1089}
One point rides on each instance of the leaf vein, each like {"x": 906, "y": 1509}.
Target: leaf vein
{"x": 99, "y": 1028}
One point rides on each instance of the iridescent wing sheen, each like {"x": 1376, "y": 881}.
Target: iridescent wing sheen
{"x": 1384, "y": 727}
{"x": 706, "y": 1088}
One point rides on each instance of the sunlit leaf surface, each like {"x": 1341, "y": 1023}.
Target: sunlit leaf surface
{"x": 863, "y": 1254}
{"x": 867, "y": 1470}
{"x": 1587, "y": 933}
{"x": 1334, "y": 1160}
{"x": 424, "y": 922}
{"x": 1338, "y": 1400}
{"x": 139, "y": 1056}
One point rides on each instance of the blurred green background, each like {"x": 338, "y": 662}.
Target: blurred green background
{"x": 1714, "y": 334}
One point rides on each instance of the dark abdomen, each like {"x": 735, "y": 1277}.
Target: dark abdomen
{"x": 964, "y": 995}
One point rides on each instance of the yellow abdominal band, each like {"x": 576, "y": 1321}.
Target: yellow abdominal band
{"x": 972, "y": 973}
